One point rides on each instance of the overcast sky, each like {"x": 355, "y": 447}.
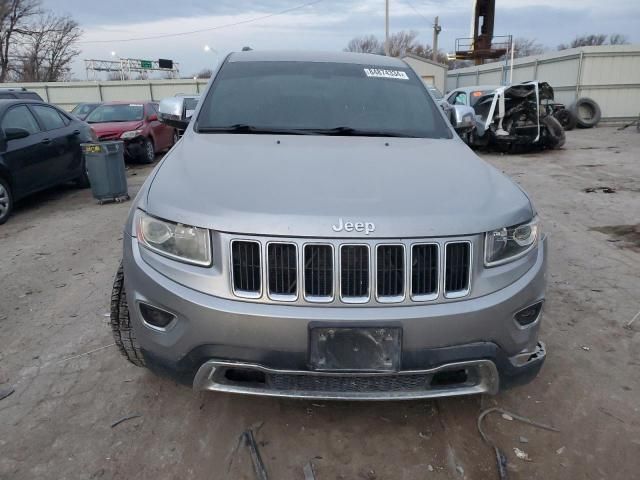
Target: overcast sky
{"x": 325, "y": 25}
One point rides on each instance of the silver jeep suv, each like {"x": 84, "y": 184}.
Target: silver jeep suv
{"x": 320, "y": 231}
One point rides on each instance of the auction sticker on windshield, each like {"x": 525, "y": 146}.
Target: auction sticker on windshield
{"x": 383, "y": 73}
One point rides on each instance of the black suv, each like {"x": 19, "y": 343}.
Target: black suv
{"x": 6, "y": 93}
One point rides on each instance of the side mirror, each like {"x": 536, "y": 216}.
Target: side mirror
{"x": 152, "y": 118}
{"x": 463, "y": 118}
{"x": 172, "y": 112}
{"x": 12, "y": 133}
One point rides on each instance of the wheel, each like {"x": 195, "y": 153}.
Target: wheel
{"x": 120, "y": 323}
{"x": 83, "y": 179}
{"x": 554, "y": 134}
{"x": 6, "y": 201}
{"x": 566, "y": 118}
{"x": 587, "y": 112}
{"x": 148, "y": 151}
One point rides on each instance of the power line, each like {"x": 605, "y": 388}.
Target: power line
{"x": 218, "y": 27}
{"x": 416, "y": 10}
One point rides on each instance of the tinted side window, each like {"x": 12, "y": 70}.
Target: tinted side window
{"x": 7, "y": 95}
{"x": 31, "y": 96}
{"x": 20, "y": 117}
{"x": 49, "y": 117}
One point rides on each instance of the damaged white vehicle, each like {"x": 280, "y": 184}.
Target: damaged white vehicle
{"x": 511, "y": 118}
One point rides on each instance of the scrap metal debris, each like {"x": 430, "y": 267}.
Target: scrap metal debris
{"x": 256, "y": 459}
{"x": 599, "y": 189}
{"x": 521, "y": 454}
{"x": 124, "y": 419}
{"x": 5, "y": 392}
{"x": 635, "y": 317}
{"x": 500, "y": 457}
{"x": 309, "y": 474}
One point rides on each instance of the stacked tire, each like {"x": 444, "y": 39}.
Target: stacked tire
{"x": 586, "y": 111}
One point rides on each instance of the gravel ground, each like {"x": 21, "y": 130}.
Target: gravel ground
{"x": 60, "y": 252}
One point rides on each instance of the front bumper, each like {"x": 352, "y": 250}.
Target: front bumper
{"x": 475, "y": 341}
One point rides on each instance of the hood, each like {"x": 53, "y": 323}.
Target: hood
{"x": 303, "y": 185}
{"x": 109, "y": 129}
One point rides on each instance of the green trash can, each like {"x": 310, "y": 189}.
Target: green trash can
{"x": 105, "y": 167}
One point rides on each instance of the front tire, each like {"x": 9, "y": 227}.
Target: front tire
{"x": 6, "y": 201}
{"x": 148, "y": 151}
{"x": 121, "y": 323}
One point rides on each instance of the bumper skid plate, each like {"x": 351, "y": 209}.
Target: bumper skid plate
{"x": 459, "y": 378}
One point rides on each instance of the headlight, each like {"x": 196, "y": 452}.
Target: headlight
{"x": 131, "y": 134}
{"x": 174, "y": 240}
{"x": 507, "y": 244}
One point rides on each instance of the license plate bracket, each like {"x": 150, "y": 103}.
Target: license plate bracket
{"x": 362, "y": 349}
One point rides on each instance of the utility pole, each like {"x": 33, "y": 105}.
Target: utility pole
{"x": 436, "y": 31}
{"x": 386, "y": 27}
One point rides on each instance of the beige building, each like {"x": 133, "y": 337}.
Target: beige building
{"x": 431, "y": 73}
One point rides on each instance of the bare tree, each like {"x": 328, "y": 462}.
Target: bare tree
{"x": 49, "y": 48}
{"x": 402, "y": 42}
{"x": 584, "y": 41}
{"x": 365, "y": 44}
{"x": 14, "y": 18}
{"x": 618, "y": 39}
{"x": 523, "y": 47}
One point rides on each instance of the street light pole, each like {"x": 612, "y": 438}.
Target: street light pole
{"x": 436, "y": 31}
{"x": 386, "y": 27}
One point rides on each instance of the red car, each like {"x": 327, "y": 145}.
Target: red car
{"x": 136, "y": 123}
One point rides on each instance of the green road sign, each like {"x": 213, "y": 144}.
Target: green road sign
{"x": 146, "y": 64}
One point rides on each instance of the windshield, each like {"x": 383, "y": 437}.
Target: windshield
{"x": 320, "y": 98}
{"x": 435, "y": 92}
{"x": 83, "y": 108}
{"x": 116, "y": 113}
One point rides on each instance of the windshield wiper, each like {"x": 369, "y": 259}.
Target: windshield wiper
{"x": 244, "y": 128}
{"x": 357, "y": 132}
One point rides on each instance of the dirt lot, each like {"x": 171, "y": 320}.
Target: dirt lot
{"x": 60, "y": 252}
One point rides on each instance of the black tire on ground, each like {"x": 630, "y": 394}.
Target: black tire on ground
{"x": 83, "y": 179}
{"x": 554, "y": 134}
{"x": 587, "y": 112}
{"x": 6, "y": 201}
{"x": 148, "y": 151}
{"x": 566, "y": 118}
{"x": 120, "y": 323}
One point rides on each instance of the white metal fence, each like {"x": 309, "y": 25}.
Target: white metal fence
{"x": 68, "y": 94}
{"x": 609, "y": 74}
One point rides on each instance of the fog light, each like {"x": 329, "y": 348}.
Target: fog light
{"x": 155, "y": 317}
{"x": 528, "y": 315}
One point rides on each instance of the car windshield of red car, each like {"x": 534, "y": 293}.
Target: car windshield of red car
{"x": 116, "y": 113}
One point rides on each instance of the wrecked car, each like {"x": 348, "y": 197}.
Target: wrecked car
{"x": 320, "y": 231}
{"x": 510, "y": 118}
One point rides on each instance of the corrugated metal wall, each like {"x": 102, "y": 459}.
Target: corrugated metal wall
{"x": 68, "y": 94}
{"x": 609, "y": 74}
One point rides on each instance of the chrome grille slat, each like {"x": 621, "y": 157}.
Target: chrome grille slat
{"x": 282, "y": 264}
{"x": 457, "y": 269}
{"x": 246, "y": 268}
{"x": 354, "y": 273}
{"x": 424, "y": 271}
{"x": 390, "y": 272}
{"x": 318, "y": 272}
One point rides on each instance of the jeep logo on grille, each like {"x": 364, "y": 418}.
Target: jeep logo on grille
{"x": 366, "y": 227}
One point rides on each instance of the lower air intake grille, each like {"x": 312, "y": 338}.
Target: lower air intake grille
{"x": 354, "y": 272}
{"x": 457, "y": 267}
{"x": 390, "y": 270}
{"x": 372, "y": 383}
{"x": 283, "y": 269}
{"x": 246, "y": 267}
{"x": 424, "y": 270}
{"x": 318, "y": 272}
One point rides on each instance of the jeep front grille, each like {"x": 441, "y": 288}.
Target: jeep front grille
{"x": 390, "y": 273}
{"x": 457, "y": 269}
{"x": 246, "y": 269}
{"x": 344, "y": 272}
{"x": 354, "y": 273}
{"x": 282, "y": 264}
{"x": 318, "y": 273}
